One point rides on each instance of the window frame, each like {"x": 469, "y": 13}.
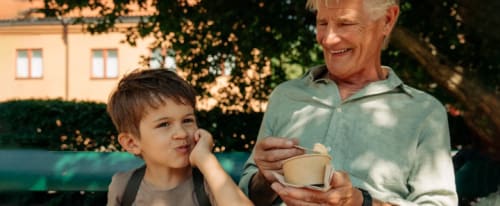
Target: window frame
{"x": 29, "y": 52}
{"x": 104, "y": 56}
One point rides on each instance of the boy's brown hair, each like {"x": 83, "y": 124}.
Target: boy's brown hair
{"x": 142, "y": 90}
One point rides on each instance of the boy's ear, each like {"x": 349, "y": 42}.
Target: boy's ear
{"x": 130, "y": 143}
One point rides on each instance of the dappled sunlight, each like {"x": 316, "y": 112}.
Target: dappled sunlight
{"x": 456, "y": 79}
{"x": 236, "y": 94}
{"x": 370, "y": 161}
{"x": 300, "y": 123}
{"x": 307, "y": 120}
{"x": 381, "y": 113}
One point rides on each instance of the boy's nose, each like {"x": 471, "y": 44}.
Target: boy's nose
{"x": 180, "y": 133}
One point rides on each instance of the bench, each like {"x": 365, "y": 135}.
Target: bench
{"x": 26, "y": 172}
{"x": 40, "y": 170}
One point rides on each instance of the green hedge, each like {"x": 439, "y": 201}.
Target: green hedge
{"x": 85, "y": 126}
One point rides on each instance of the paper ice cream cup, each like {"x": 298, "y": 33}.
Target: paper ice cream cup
{"x": 307, "y": 169}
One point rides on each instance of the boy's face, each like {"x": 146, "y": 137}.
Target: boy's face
{"x": 167, "y": 135}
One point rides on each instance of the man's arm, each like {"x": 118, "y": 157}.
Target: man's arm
{"x": 255, "y": 186}
{"x": 433, "y": 177}
{"x": 266, "y": 158}
{"x": 260, "y": 191}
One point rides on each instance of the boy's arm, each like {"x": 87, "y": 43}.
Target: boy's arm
{"x": 223, "y": 188}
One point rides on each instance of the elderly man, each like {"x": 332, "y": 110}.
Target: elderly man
{"x": 390, "y": 142}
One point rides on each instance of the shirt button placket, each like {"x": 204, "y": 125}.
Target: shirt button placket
{"x": 335, "y": 137}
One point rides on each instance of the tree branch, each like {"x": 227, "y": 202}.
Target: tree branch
{"x": 482, "y": 114}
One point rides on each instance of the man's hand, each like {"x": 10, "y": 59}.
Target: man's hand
{"x": 268, "y": 155}
{"x": 341, "y": 193}
{"x": 270, "y": 152}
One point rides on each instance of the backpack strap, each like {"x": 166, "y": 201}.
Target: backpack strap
{"x": 133, "y": 186}
{"x": 199, "y": 188}
{"x": 135, "y": 181}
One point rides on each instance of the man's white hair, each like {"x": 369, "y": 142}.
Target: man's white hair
{"x": 376, "y": 8}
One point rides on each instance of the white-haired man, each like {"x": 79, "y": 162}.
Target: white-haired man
{"x": 390, "y": 142}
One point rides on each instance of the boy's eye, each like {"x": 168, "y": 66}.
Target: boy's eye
{"x": 163, "y": 124}
{"x": 188, "y": 120}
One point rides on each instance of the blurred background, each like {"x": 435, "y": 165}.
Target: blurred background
{"x": 61, "y": 59}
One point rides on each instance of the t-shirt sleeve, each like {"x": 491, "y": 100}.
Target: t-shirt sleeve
{"x": 117, "y": 187}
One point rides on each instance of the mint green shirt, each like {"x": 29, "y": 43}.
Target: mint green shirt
{"x": 392, "y": 139}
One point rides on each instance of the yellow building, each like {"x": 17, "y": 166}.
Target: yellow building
{"x": 47, "y": 58}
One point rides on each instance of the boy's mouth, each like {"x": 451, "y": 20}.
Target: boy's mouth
{"x": 186, "y": 148}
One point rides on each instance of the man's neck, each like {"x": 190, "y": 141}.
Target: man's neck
{"x": 349, "y": 86}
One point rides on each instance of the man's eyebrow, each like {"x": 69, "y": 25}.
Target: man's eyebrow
{"x": 321, "y": 20}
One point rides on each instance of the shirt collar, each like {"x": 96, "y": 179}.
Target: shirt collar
{"x": 319, "y": 74}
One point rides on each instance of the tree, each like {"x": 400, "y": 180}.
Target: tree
{"x": 445, "y": 47}
{"x": 454, "y": 42}
{"x": 250, "y": 37}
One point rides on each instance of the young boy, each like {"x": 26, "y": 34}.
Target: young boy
{"x": 153, "y": 111}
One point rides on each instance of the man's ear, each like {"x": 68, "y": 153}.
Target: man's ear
{"x": 130, "y": 143}
{"x": 390, "y": 18}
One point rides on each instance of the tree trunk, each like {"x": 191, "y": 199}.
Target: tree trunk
{"x": 482, "y": 112}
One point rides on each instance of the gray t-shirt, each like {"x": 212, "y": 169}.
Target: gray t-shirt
{"x": 181, "y": 195}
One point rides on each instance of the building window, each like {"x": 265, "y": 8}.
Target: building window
{"x": 29, "y": 64}
{"x": 104, "y": 63}
{"x": 160, "y": 59}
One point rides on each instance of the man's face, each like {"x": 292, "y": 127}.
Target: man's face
{"x": 350, "y": 39}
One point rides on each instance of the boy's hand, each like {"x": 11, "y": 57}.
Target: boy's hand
{"x": 203, "y": 147}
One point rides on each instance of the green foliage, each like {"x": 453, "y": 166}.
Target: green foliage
{"x": 205, "y": 33}
{"x": 250, "y": 33}
{"x": 56, "y": 125}
{"x": 463, "y": 31}
{"x": 245, "y": 34}
{"x": 233, "y": 131}
{"x": 280, "y": 36}
{"x": 85, "y": 126}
